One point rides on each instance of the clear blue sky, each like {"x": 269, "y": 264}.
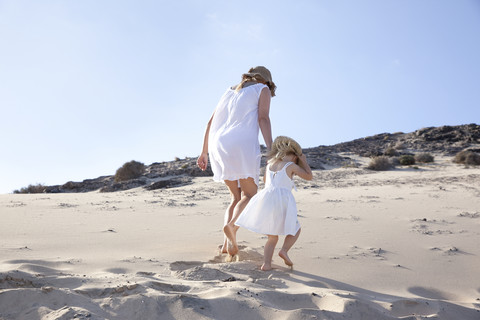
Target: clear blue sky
{"x": 86, "y": 86}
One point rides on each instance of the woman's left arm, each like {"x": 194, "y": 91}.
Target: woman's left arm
{"x": 264, "y": 117}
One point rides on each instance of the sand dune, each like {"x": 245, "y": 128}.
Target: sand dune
{"x": 401, "y": 244}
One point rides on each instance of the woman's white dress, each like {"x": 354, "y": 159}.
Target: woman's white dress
{"x": 233, "y": 144}
{"x": 273, "y": 210}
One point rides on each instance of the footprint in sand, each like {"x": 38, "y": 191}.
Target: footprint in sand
{"x": 168, "y": 287}
{"x": 474, "y": 215}
{"x": 202, "y": 273}
{"x": 449, "y": 251}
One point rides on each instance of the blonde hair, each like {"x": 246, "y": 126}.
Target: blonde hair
{"x": 283, "y": 146}
{"x": 256, "y": 78}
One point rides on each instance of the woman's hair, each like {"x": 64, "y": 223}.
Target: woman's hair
{"x": 256, "y": 78}
{"x": 283, "y": 146}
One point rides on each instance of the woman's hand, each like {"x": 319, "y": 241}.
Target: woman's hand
{"x": 202, "y": 161}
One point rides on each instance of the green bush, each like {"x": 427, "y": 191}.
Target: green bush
{"x": 424, "y": 158}
{"x": 467, "y": 157}
{"x": 38, "y": 188}
{"x": 406, "y": 160}
{"x": 380, "y": 163}
{"x": 130, "y": 170}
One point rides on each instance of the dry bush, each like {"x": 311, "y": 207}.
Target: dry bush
{"x": 400, "y": 145}
{"x": 38, "y": 188}
{"x": 391, "y": 152}
{"x": 467, "y": 157}
{"x": 380, "y": 163}
{"x": 424, "y": 158}
{"x": 406, "y": 160}
{"x": 130, "y": 170}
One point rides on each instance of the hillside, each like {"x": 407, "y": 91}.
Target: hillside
{"x": 446, "y": 140}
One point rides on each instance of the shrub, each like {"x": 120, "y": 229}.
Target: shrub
{"x": 406, "y": 160}
{"x": 424, "y": 158}
{"x": 400, "y": 145}
{"x": 349, "y": 164}
{"x": 391, "y": 152}
{"x": 38, "y": 188}
{"x": 467, "y": 157}
{"x": 130, "y": 170}
{"x": 380, "y": 163}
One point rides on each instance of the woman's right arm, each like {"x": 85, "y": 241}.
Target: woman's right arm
{"x": 202, "y": 161}
{"x": 264, "y": 117}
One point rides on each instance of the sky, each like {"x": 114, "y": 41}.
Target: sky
{"x": 86, "y": 86}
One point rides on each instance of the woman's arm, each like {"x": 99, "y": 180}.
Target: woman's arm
{"x": 264, "y": 118}
{"x": 202, "y": 161}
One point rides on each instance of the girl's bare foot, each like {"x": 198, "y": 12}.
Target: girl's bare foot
{"x": 230, "y": 258}
{"x": 224, "y": 247}
{"x": 230, "y": 232}
{"x": 266, "y": 267}
{"x": 283, "y": 254}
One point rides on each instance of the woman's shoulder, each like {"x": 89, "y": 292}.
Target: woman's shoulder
{"x": 256, "y": 86}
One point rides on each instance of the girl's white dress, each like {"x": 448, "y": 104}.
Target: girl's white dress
{"x": 273, "y": 210}
{"x": 233, "y": 144}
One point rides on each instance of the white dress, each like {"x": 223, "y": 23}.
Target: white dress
{"x": 273, "y": 210}
{"x": 233, "y": 144}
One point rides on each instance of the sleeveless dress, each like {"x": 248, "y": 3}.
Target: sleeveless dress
{"x": 273, "y": 210}
{"x": 233, "y": 145}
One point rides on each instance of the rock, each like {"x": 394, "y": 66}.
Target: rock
{"x": 169, "y": 183}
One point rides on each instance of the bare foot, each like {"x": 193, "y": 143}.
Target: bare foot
{"x": 266, "y": 267}
{"x": 283, "y": 254}
{"x": 230, "y": 232}
{"x": 224, "y": 247}
{"x": 229, "y": 258}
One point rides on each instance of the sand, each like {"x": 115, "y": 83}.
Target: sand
{"x": 401, "y": 244}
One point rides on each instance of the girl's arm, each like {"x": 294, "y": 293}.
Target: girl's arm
{"x": 264, "y": 118}
{"x": 302, "y": 169}
{"x": 202, "y": 161}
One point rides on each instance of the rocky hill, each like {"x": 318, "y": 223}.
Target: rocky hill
{"x": 447, "y": 140}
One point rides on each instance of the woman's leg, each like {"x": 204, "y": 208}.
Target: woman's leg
{"x": 287, "y": 244}
{"x": 249, "y": 189}
{"x": 235, "y": 196}
{"x": 268, "y": 252}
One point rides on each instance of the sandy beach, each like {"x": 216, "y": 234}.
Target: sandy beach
{"x": 399, "y": 244}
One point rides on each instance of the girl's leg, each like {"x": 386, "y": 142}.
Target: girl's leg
{"x": 268, "y": 252}
{"x": 249, "y": 189}
{"x": 287, "y": 244}
{"x": 235, "y": 194}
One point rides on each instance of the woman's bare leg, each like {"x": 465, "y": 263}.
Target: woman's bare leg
{"x": 235, "y": 194}
{"x": 249, "y": 189}
{"x": 268, "y": 252}
{"x": 287, "y": 244}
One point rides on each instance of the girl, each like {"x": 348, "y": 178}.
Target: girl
{"x": 273, "y": 211}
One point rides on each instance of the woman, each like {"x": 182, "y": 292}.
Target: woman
{"x": 231, "y": 140}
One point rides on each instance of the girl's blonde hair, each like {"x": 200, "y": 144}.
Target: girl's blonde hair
{"x": 283, "y": 146}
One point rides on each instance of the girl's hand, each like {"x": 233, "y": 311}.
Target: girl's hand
{"x": 302, "y": 158}
{"x": 302, "y": 169}
{"x": 202, "y": 161}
